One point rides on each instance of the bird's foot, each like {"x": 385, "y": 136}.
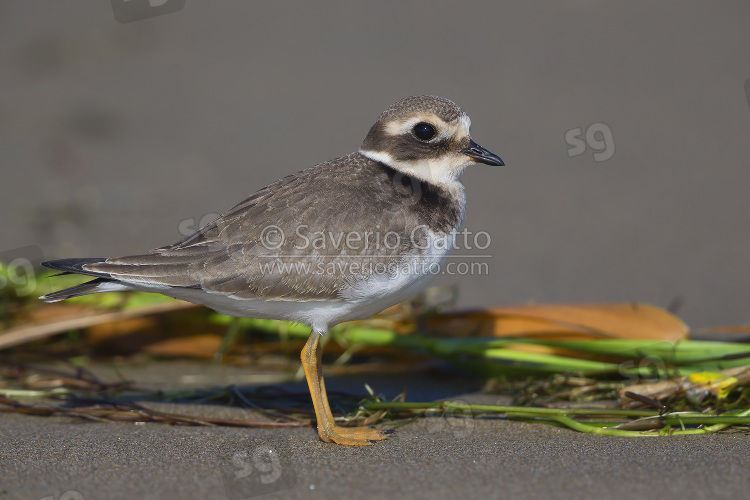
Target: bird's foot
{"x": 352, "y": 436}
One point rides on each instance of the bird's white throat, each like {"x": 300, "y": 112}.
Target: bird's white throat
{"x": 445, "y": 170}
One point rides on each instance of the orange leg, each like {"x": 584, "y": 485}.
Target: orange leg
{"x": 328, "y": 431}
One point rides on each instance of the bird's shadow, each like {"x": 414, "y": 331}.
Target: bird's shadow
{"x": 345, "y": 393}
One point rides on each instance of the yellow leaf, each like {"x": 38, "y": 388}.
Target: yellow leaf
{"x": 716, "y": 383}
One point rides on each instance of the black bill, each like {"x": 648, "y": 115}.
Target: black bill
{"x": 481, "y": 155}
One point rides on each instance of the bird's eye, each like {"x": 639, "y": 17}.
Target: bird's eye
{"x": 424, "y": 131}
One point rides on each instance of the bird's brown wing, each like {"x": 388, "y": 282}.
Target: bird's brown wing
{"x": 305, "y": 237}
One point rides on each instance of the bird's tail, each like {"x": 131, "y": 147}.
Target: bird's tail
{"x": 102, "y": 283}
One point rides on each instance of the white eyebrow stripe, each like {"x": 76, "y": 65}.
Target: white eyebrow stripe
{"x": 445, "y": 130}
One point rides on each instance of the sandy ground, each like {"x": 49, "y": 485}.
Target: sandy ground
{"x": 432, "y": 458}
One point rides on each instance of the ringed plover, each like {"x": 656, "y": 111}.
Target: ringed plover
{"x": 336, "y": 242}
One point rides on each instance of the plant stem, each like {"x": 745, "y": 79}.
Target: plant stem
{"x": 563, "y": 416}
{"x": 538, "y": 412}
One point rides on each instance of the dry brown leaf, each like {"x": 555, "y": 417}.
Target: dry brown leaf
{"x": 662, "y": 389}
{"x": 195, "y": 346}
{"x": 622, "y": 320}
{"x": 45, "y": 313}
{"x": 64, "y": 322}
{"x": 105, "y": 332}
{"x": 741, "y": 329}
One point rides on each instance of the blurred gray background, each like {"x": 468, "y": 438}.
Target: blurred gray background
{"x": 117, "y": 138}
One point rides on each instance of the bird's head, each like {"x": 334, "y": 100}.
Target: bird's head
{"x": 426, "y": 137}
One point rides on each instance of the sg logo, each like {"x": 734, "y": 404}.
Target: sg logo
{"x": 598, "y": 137}
{"x": 18, "y": 271}
{"x": 256, "y": 473}
{"x": 128, "y": 11}
{"x": 186, "y": 227}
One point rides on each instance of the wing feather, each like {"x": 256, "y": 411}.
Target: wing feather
{"x": 317, "y": 209}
